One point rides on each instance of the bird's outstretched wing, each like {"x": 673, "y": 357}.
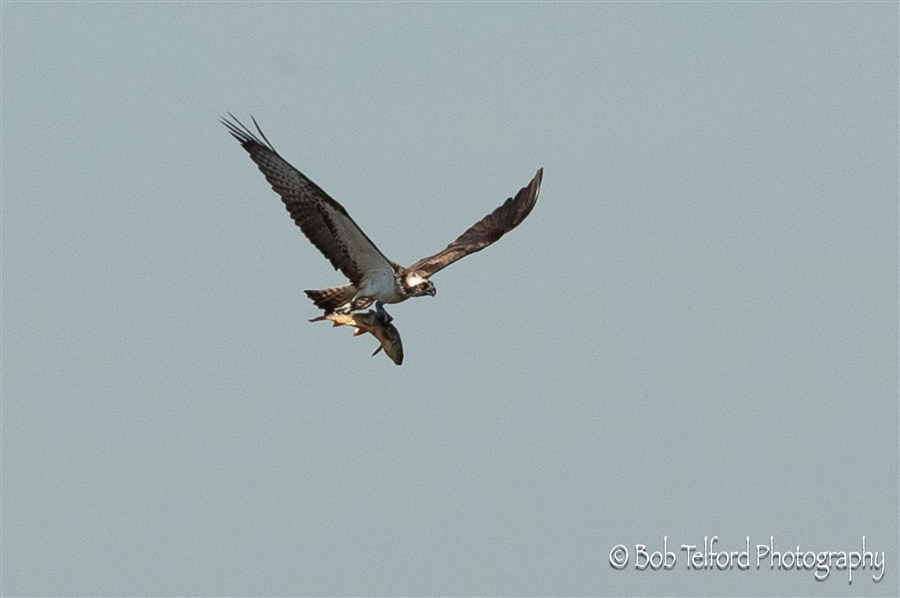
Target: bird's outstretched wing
{"x": 323, "y": 220}
{"x": 485, "y": 231}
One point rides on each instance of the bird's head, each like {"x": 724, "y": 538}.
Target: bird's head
{"x": 419, "y": 285}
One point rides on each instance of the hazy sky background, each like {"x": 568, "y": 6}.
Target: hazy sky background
{"x": 695, "y": 333}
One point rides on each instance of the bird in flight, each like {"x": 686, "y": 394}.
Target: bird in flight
{"x": 373, "y": 277}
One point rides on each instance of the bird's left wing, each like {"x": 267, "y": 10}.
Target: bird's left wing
{"x": 323, "y": 220}
{"x": 485, "y": 231}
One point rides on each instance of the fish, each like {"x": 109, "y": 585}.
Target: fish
{"x": 377, "y": 324}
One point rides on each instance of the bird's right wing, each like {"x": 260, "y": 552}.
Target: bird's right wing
{"x": 323, "y": 220}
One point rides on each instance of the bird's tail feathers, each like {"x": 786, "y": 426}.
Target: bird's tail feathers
{"x": 335, "y": 298}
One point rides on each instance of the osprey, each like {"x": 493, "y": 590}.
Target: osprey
{"x": 373, "y": 277}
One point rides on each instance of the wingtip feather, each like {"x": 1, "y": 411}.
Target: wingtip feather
{"x": 243, "y": 134}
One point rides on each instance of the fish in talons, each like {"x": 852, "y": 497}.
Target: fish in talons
{"x": 378, "y": 324}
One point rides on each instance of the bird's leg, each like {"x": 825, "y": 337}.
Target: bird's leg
{"x": 381, "y": 314}
{"x": 350, "y": 305}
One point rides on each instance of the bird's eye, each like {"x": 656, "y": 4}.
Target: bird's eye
{"x": 423, "y": 285}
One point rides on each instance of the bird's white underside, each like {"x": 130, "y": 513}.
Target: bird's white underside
{"x": 379, "y": 282}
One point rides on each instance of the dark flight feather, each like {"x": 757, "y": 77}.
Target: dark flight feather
{"x": 322, "y": 219}
{"x": 486, "y": 231}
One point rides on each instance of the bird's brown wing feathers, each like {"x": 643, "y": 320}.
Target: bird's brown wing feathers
{"x": 485, "y": 231}
{"x": 323, "y": 220}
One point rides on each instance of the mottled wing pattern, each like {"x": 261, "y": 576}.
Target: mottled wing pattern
{"x": 323, "y": 220}
{"x": 485, "y": 231}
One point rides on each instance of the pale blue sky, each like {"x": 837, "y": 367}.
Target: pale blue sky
{"x": 695, "y": 333}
